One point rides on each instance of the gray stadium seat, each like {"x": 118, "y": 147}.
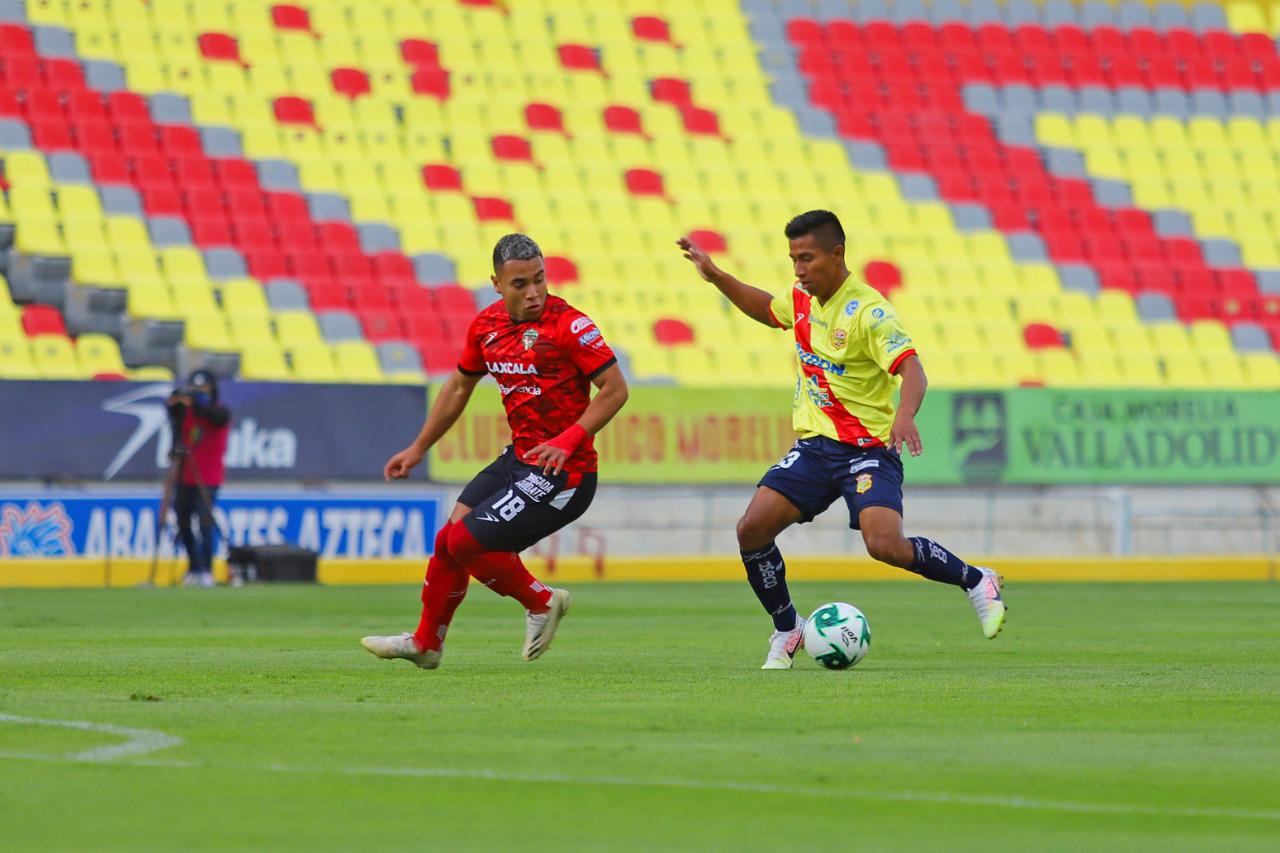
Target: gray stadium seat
{"x": 326, "y": 207}
{"x": 1026, "y": 247}
{"x": 1172, "y": 223}
{"x": 1065, "y": 162}
{"x": 904, "y": 11}
{"x": 1132, "y": 14}
{"x": 1081, "y": 278}
{"x": 338, "y": 326}
{"x": 55, "y": 42}
{"x": 788, "y": 91}
{"x": 1154, "y": 307}
{"x": 1273, "y": 103}
{"x": 1171, "y": 16}
{"x": 170, "y": 108}
{"x": 221, "y": 142}
{"x": 815, "y": 122}
{"x": 867, "y": 155}
{"x": 223, "y": 263}
{"x": 1017, "y": 12}
{"x": 985, "y": 11}
{"x": 14, "y": 135}
{"x": 169, "y": 231}
{"x": 1097, "y": 13}
{"x": 1250, "y": 337}
{"x": 1208, "y": 16}
{"x": 1058, "y": 99}
{"x": 981, "y": 98}
{"x": 13, "y": 10}
{"x": 828, "y": 10}
{"x": 871, "y": 10}
{"x": 1016, "y": 129}
{"x": 1269, "y": 282}
{"x": 1221, "y": 253}
{"x": 1208, "y": 102}
{"x": 946, "y": 11}
{"x": 398, "y": 357}
{"x": 1173, "y": 102}
{"x": 104, "y": 76}
{"x": 68, "y": 167}
{"x": 378, "y": 237}
{"x": 1096, "y": 99}
{"x": 278, "y": 175}
{"x": 431, "y": 268}
{"x": 970, "y": 217}
{"x": 1134, "y": 101}
{"x": 1058, "y": 13}
{"x": 918, "y": 187}
{"x": 1248, "y": 104}
{"x": 285, "y": 294}
{"x": 1112, "y": 193}
{"x": 1018, "y": 99}
{"x": 118, "y": 199}
{"x": 485, "y": 297}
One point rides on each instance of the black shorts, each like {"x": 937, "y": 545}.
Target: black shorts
{"x": 818, "y": 470}
{"x": 514, "y": 505}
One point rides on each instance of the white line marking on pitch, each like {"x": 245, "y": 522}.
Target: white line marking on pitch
{"x": 139, "y": 741}
{"x": 144, "y": 740}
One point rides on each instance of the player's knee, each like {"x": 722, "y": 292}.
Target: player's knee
{"x": 885, "y": 547}
{"x": 751, "y": 535}
{"x": 460, "y": 544}
{"x": 442, "y": 540}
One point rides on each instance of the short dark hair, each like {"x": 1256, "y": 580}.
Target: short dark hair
{"x": 514, "y": 247}
{"x": 823, "y": 224}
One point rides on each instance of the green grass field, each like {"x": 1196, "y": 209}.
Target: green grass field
{"x": 1105, "y": 717}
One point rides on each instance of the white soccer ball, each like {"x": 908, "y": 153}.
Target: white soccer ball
{"x": 837, "y": 635}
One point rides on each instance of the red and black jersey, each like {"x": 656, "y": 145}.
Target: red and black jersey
{"x": 544, "y": 369}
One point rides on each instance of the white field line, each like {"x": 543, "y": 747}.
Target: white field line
{"x": 139, "y": 741}
{"x": 148, "y": 741}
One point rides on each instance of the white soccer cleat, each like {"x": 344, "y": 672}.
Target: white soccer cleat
{"x": 206, "y": 579}
{"x": 540, "y": 628}
{"x": 783, "y": 646}
{"x": 191, "y": 579}
{"x": 988, "y": 603}
{"x": 402, "y": 646}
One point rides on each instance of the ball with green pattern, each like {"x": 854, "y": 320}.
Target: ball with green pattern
{"x": 837, "y": 635}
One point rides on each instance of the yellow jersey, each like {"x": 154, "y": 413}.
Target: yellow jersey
{"x": 847, "y": 353}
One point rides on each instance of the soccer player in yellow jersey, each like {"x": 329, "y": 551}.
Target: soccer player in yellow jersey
{"x": 849, "y": 347}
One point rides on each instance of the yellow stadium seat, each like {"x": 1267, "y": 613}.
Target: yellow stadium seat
{"x": 264, "y": 362}
{"x": 357, "y": 362}
{"x": 15, "y": 359}
{"x": 244, "y": 296}
{"x": 150, "y": 373}
{"x": 296, "y": 328}
{"x": 55, "y": 358}
{"x": 151, "y": 301}
{"x": 98, "y": 354}
{"x": 313, "y": 362}
{"x": 207, "y": 332}
{"x": 1262, "y": 369}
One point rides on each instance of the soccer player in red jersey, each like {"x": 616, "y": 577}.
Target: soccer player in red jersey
{"x": 545, "y": 355}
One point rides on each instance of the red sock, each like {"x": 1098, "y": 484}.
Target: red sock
{"x": 443, "y": 591}
{"x": 501, "y": 571}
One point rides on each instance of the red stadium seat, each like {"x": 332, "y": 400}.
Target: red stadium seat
{"x": 650, "y": 28}
{"x": 544, "y": 117}
{"x": 219, "y": 46}
{"x": 700, "y": 121}
{"x": 441, "y": 178}
{"x": 1041, "y": 336}
{"x": 432, "y": 82}
{"x": 884, "y": 276}
{"x": 644, "y": 182}
{"x": 507, "y": 147}
{"x": 493, "y": 209}
{"x": 670, "y": 331}
{"x": 418, "y": 52}
{"x": 289, "y": 17}
{"x": 709, "y": 241}
{"x": 623, "y": 120}
{"x": 579, "y": 57}
{"x": 42, "y": 320}
{"x": 351, "y": 82}
{"x": 294, "y": 110}
{"x": 672, "y": 91}
{"x": 560, "y": 270}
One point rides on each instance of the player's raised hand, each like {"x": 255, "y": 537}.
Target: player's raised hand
{"x": 399, "y": 466}
{"x": 693, "y": 253}
{"x": 548, "y": 457}
{"x": 904, "y": 431}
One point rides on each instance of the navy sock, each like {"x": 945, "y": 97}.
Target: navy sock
{"x": 938, "y": 564}
{"x": 768, "y": 576}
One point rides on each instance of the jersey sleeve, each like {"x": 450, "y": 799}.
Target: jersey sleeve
{"x": 472, "y": 360}
{"x": 783, "y": 310}
{"x": 887, "y": 341}
{"x": 581, "y": 340}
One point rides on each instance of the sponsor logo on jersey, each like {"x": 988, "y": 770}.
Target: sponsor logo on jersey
{"x": 579, "y": 324}
{"x": 535, "y": 486}
{"x": 488, "y": 339}
{"x": 896, "y": 343}
{"x": 864, "y": 483}
{"x": 588, "y": 337}
{"x": 863, "y": 465}
{"x": 839, "y": 338}
{"x": 529, "y": 336}
{"x": 533, "y": 390}
{"x": 818, "y": 322}
{"x": 878, "y": 313}
{"x": 817, "y": 395}
{"x": 812, "y": 360}
{"x": 864, "y": 441}
{"x": 514, "y": 368}
{"x": 851, "y": 308}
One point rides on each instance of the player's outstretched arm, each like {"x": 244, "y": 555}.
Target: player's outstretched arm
{"x": 610, "y": 397}
{"x": 445, "y": 411}
{"x": 904, "y": 429}
{"x": 751, "y": 301}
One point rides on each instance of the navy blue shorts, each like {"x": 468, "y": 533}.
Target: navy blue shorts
{"x": 818, "y": 470}
{"x": 514, "y": 505}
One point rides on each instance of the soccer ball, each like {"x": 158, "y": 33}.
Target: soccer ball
{"x": 837, "y": 635}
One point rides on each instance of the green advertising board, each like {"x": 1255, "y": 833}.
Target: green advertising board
{"x": 1019, "y": 436}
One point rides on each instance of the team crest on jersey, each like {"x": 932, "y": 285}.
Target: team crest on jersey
{"x": 851, "y": 308}
{"x": 839, "y": 337}
{"x": 864, "y": 483}
{"x": 528, "y": 338}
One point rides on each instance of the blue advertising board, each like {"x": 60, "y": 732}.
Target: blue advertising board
{"x": 59, "y": 524}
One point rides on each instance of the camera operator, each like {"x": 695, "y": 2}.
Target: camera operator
{"x": 200, "y": 425}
